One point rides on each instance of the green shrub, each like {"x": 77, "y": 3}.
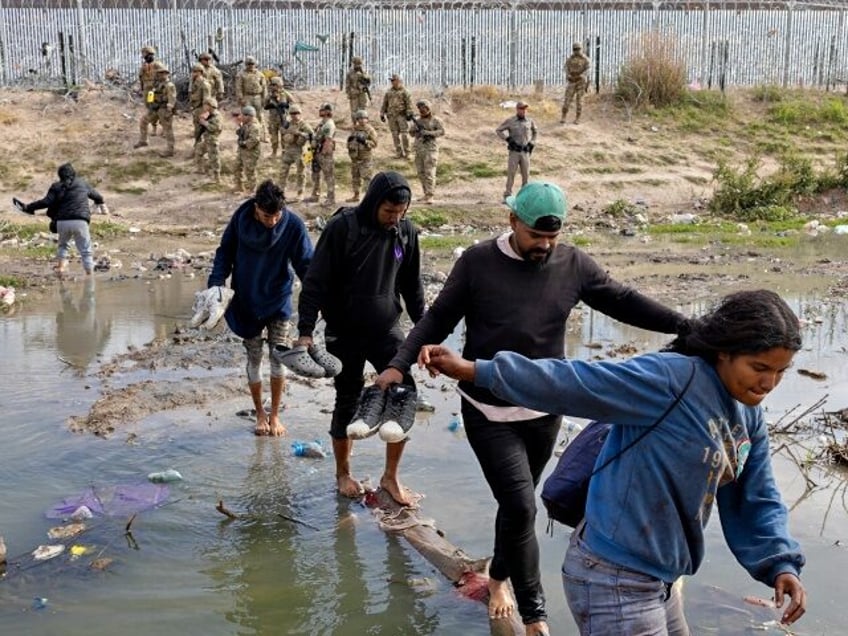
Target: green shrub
{"x": 620, "y": 208}
{"x": 768, "y": 93}
{"x": 654, "y": 74}
{"x": 429, "y": 217}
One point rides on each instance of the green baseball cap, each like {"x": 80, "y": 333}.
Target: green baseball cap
{"x": 540, "y": 205}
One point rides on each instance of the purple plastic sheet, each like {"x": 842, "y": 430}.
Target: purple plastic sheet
{"x": 112, "y": 501}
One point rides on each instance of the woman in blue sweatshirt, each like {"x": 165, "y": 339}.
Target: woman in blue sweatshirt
{"x": 647, "y": 510}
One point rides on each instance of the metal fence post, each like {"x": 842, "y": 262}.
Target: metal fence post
{"x": 513, "y": 44}
{"x": 82, "y": 49}
{"x": 4, "y": 51}
{"x": 787, "y": 44}
{"x": 705, "y": 32}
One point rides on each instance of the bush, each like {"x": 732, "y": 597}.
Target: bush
{"x": 620, "y": 208}
{"x": 654, "y": 74}
{"x": 768, "y": 93}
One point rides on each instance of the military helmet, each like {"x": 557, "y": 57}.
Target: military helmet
{"x": 361, "y": 114}
{"x": 326, "y": 106}
{"x": 211, "y": 101}
{"x": 576, "y": 46}
{"x": 148, "y": 50}
{"x": 276, "y": 81}
{"x": 295, "y": 110}
{"x": 198, "y": 68}
{"x": 250, "y": 60}
{"x": 205, "y": 56}
{"x": 356, "y": 60}
{"x": 249, "y": 111}
{"x": 163, "y": 69}
{"x": 423, "y": 103}
{"x": 157, "y": 65}
{"x": 393, "y": 77}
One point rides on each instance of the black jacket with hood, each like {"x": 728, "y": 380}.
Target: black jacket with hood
{"x": 357, "y": 283}
{"x": 67, "y": 199}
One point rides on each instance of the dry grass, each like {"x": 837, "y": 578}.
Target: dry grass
{"x": 654, "y": 73}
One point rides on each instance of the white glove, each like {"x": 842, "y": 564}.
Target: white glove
{"x": 102, "y": 209}
{"x": 209, "y": 306}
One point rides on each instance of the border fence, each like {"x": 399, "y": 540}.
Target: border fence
{"x": 510, "y": 44}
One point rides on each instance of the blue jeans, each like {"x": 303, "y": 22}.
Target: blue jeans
{"x": 77, "y": 230}
{"x": 605, "y": 598}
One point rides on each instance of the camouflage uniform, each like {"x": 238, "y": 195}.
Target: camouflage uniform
{"x": 249, "y": 149}
{"x": 198, "y": 92}
{"x": 277, "y": 104}
{"x": 212, "y": 124}
{"x": 164, "y": 102}
{"x": 357, "y": 86}
{"x": 426, "y": 130}
{"x": 147, "y": 78}
{"x": 576, "y": 67}
{"x": 520, "y": 137}
{"x": 360, "y": 143}
{"x": 251, "y": 87}
{"x": 294, "y": 139}
{"x": 213, "y": 76}
{"x": 323, "y": 162}
{"x": 397, "y": 109}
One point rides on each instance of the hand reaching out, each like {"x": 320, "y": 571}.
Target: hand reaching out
{"x": 438, "y": 359}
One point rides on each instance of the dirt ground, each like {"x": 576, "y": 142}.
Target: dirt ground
{"x": 161, "y": 205}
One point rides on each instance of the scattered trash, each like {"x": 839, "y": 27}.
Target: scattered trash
{"x": 309, "y": 449}
{"x": 683, "y": 219}
{"x": 840, "y": 229}
{"x": 2, "y": 553}
{"x": 83, "y": 512}
{"x": 456, "y": 423}
{"x": 79, "y": 550}
{"x": 64, "y": 532}
{"x": 815, "y": 375}
{"x": 423, "y": 405}
{"x": 7, "y": 298}
{"x": 39, "y": 603}
{"x": 44, "y": 552}
{"x": 101, "y": 564}
{"x": 165, "y": 477}
{"x": 114, "y": 501}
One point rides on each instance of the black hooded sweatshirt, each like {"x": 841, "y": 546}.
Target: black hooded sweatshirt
{"x": 357, "y": 283}
{"x": 67, "y": 199}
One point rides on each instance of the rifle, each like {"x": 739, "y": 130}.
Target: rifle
{"x": 200, "y": 132}
{"x": 365, "y": 85}
{"x": 419, "y": 127}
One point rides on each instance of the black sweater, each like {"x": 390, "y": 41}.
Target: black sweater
{"x": 68, "y": 201}
{"x": 522, "y": 306}
{"x": 357, "y": 282}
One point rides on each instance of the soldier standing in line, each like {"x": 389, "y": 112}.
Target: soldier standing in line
{"x": 147, "y": 78}
{"x": 212, "y": 75}
{"x": 294, "y": 139}
{"x": 519, "y": 133}
{"x": 251, "y": 89}
{"x": 357, "y": 86}
{"x": 323, "y": 161}
{"x": 278, "y": 103}
{"x": 360, "y": 143}
{"x": 576, "y": 67}
{"x": 198, "y": 91}
{"x": 212, "y": 124}
{"x": 249, "y": 138}
{"x": 162, "y": 107}
{"x": 426, "y": 129}
{"x": 397, "y": 110}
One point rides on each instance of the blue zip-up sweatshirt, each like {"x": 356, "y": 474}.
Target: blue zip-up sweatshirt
{"x": 261, "y": 261}
{"x": 648, "y": 508}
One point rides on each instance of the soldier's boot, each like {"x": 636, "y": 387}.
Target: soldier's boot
{"x": 153, "y": 131}
{"x": 169, "y": 152}
{"x": 577, "y": 119}
{"x": 142, "y": 140}
{"x": 273, "y": 149}
{"x": 562, "y": 116}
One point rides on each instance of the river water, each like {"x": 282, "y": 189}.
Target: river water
{"x": 323, "y": 567}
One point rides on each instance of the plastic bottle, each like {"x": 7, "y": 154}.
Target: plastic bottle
{"x": 165, "y": 477}
{"x": 456, "y": 424}
{"x": 308, "y": 449}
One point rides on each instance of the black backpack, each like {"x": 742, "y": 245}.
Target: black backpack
{"x": 353, "y": 229}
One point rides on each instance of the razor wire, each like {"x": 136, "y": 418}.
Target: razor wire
{"x": 438, "y": 45}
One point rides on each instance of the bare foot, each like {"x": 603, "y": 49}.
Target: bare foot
{"x": 262, "y": 427}
{"x": 501, "y": 604}
{"x": 349, "y": 487}
{"x": 539, "y": 628}
{"x": 275, "y": 427}
{"x": 399, "y": 493}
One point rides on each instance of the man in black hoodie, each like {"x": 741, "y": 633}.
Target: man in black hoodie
{"x": 67, "y": 204}
{"x": 366, "y": 260}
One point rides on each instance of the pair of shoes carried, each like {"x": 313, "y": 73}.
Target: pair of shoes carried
{"x": 312, "y": 362}
{"x": 392, "y": 413}
{"x": 209, "y": 306}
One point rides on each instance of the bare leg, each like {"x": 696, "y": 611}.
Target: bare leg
{"x": 261, "y": 417}
{"x": 539, "y": 628}
{"x": 389, "y": 481}
{"x": 275, "y": 426}
{"x": 501, "y": 603}
{"x": 347, "y": 485}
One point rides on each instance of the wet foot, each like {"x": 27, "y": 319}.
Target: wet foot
{"x": 275, "y": 427}
{"x": 262, "y": 426}
{"x": 401, "y": 494}
{"x": 349, "y": 487}
{"x": 539, "y": 628}
{"x": 501, "y": 604}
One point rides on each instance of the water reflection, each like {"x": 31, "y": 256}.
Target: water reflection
{"x": 81, "y": 334}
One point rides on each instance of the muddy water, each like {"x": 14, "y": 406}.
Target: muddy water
{"x": 323, "y": 567}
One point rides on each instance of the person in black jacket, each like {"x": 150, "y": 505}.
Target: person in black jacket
{"x": 67, "y": 205}
{"x": 366, "y": 260}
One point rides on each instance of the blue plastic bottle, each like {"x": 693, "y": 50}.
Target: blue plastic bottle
{"x": 456, "y": 423}
{"x": 308, "y": 449}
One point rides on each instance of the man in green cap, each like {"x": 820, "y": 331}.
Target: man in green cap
{"x": 515, "y": 293}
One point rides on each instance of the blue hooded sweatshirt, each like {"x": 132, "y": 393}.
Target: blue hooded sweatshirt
{"x": 261, "y": 261}
{"x": 648, "y": 508}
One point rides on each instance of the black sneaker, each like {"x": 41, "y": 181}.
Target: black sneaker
{"x": 399, "y": 415}
{"x": 369, "y": 410}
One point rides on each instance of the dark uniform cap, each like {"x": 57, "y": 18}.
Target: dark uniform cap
{"x": 522, "y": 104}
{"x": 249, "y": 60}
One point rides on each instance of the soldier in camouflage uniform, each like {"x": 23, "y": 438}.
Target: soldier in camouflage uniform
{"x": 519, "y": 132}
{"x": 426, "y": 129}
{"x": 147, "y": 78}
{"x": 163, "y": 105}
{"x": 295, "y": 137}
{"x": 277, "y": 104}
{"x": 397, "y": 110}
{"x": 212, "y": 75}
{"x": 249, "y": 150}
{"x": 252, "y": 88}
{"x": 323, "y": 162}
{"x": 212, "y": 124}
{"x": 360, "y": 143}
{"x": 357, "y": 86}
{"x": 198, "y": 91}
{"x": 576, "y": 67}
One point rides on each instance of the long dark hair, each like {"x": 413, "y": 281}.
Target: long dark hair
{"x": 742, "y": 323}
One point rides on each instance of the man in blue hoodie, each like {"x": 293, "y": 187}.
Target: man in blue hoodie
{"x": 366, "y": 260}
{"x": 263, "y": 242}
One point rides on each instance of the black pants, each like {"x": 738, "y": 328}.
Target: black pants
{"x": 354, "y": 351}
{"x": 513, "y": 456}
